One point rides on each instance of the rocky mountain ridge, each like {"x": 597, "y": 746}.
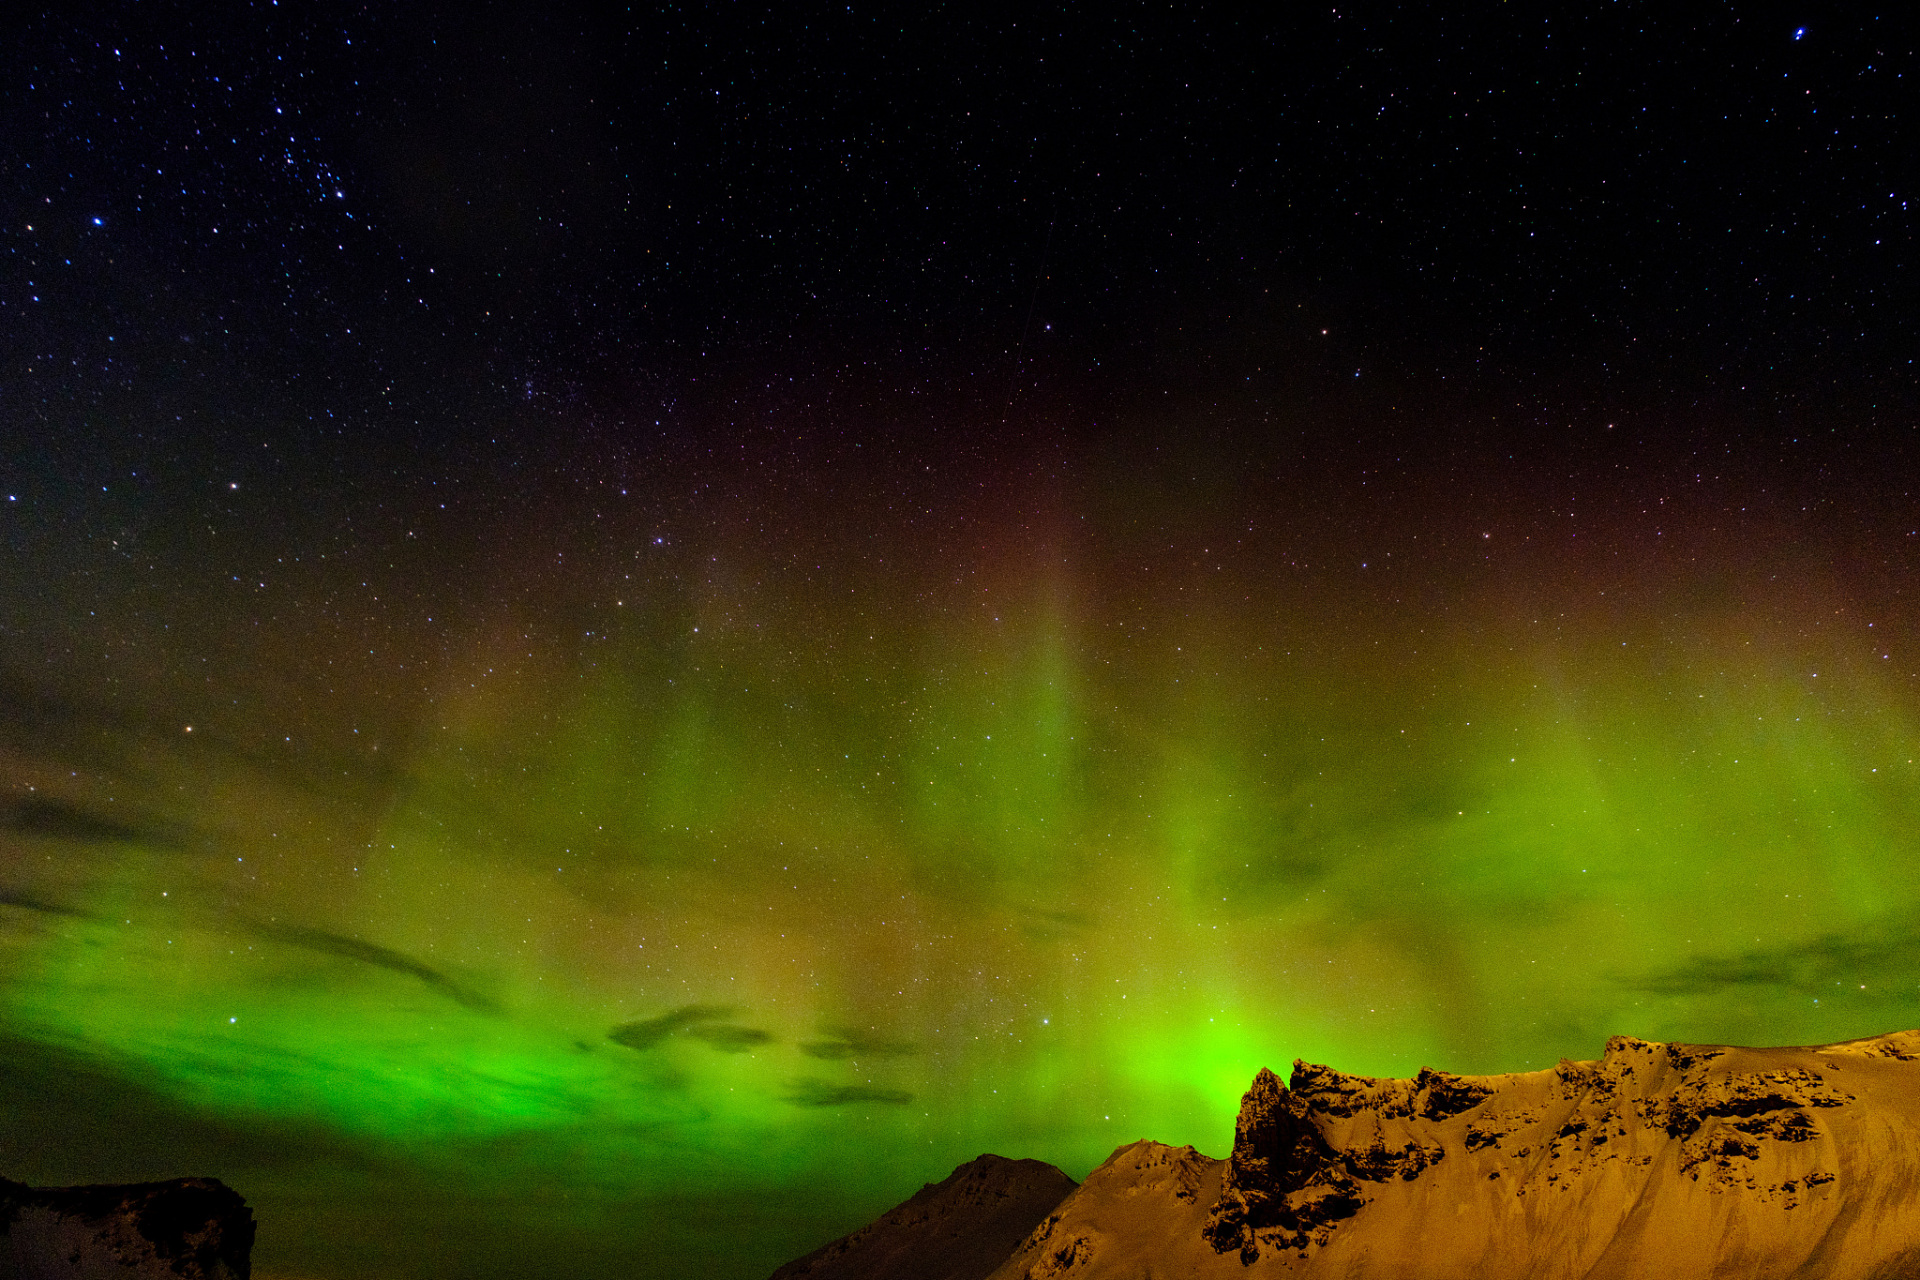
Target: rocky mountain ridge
{"x": 1674, "y": 1160}
{"x": 957, "y": 1229}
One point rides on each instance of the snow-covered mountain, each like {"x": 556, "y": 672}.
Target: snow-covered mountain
{"x": 1659, "y": 1160}
{"x": 958, "y": 1229}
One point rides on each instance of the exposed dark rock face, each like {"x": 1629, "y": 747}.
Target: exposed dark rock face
{"x": 189, "y": 1229}
{"x": 1287, "y": 1186}
{"x": 1284, "y": 1184}
{"x": 1442, "y": 1096}
{"x": 959, "y": 1229}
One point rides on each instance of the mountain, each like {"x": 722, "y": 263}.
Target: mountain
{"x": 1672, "y": 1160}
{"x": 1666, "y": 1160}
{"x": 188, "y": 1229}
{"x": 959, "y": 1229}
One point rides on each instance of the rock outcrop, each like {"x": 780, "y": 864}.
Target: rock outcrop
{"x": 959, "y": 1229}
{"x": 1685, "y": 1162}
{"x": 189, "y": 1229}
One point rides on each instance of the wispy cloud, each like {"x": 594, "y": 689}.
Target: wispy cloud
{"x": 708, "y": 1023}
{"x": 840, "y": 1043}
{"x": 325, "y": 943}
{"x": 818, "y": 1093}
{"x": 1816, "y": 963}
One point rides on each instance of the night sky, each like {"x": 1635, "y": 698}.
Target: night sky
{"x": 624, "y": 636}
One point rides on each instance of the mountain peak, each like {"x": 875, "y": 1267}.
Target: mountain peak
{"x": 1686, "y": 1161}
{"x": 955, "y": 1229}
{"x": 1680, "y": 1160}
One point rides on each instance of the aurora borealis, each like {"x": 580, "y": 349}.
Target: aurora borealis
{"x": 521, "y": 794}
{"x": 833, "y": 862}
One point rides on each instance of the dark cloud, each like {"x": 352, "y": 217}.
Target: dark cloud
{"x": 729, "y": 1038}
{"x": 704, "y": 1022}
{"x": 818, "y": 1093}
{"x": 27, "y": 902}
{"x": 42, "y": 816}
{"x": 842, "y": 1042}
{"x": 42, "y": 725}
{"x": 1804, "y": 966}
{"x": 334, "y": 944}
{"x": 1054, "y": 926}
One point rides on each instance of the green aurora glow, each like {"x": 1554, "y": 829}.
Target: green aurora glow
{"x": 807, "y": 868}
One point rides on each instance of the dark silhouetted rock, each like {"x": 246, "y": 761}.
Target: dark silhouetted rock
{"x": 959, "y": 1229}
{"x": 189, "y": 1229}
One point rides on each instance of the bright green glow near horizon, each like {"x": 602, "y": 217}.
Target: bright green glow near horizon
{"x": 1041, "y": 878}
